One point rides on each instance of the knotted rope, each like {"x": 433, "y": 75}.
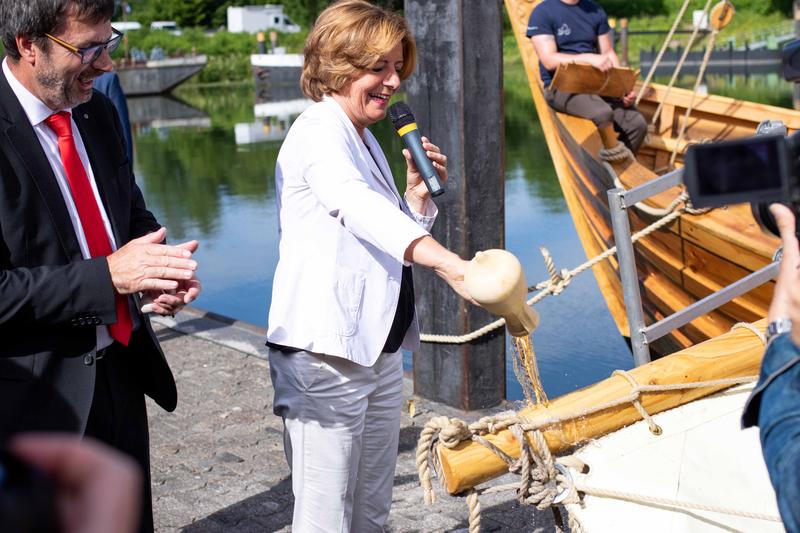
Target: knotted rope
{"x": 616, "y": 154}
{"x": 541, "y": 483}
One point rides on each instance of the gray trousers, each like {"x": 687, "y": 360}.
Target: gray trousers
{"x": 341, "y": 431}
{"x": 628, "y": 122}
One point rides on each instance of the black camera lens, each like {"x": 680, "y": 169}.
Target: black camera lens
{"x": 27, "y": 498}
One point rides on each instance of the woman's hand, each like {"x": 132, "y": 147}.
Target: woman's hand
{"x": 427, "y": 252}
{"x": 786, "y": 299}
{"x": 417, "y": 193}
{"x": 452, "y": 271}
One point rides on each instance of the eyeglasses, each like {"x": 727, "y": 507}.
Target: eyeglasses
{"x": 90, "y": 54}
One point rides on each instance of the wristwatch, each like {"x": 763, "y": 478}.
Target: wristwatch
{"x": 778, "y": 327}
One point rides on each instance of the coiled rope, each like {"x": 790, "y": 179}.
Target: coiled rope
{"x": 541, "y": 481}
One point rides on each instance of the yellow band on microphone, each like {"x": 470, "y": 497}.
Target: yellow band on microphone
{"x": 407, "y": 128}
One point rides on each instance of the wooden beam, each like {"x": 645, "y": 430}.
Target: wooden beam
{"x": 457, "y": 97}
{"x": 734, "y": 354}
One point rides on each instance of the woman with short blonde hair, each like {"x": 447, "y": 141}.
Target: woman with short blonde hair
{"x": 343, "y": 295}
{"x": 350, "y": 36}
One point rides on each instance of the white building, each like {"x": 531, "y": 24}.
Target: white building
{"x": 252, "y": 19}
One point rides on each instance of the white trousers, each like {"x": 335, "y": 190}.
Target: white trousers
{"x": 341, "y": 430}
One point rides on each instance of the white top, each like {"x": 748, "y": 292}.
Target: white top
{"x": 37, "y": 113}
{"x": 343, "y": 240}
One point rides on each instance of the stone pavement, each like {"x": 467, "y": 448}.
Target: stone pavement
{"x": 218, "y": 462}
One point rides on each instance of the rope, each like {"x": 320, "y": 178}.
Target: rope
{"x": 558, "y": 282}
{"x": 679, "y": 66}
{"x": 753, "y": 329}
{"x": 655, "y": 500}
{"x": 617, "y": 154}
{"x": 661, "y": 52}
{"x": 541, "y": 481}
{"x": 655, "y": 429}
{"x": 700, "y": 75}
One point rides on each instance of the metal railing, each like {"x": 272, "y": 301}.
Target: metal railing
{"x": 641, "y": 335}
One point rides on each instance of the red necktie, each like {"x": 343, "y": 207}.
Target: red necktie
{"x": 89, "y": 213}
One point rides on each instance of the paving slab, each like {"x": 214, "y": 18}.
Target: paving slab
{"x": 218, "y": 463}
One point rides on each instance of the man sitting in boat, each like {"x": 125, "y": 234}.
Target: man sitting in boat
{"x": 567, "y": 31}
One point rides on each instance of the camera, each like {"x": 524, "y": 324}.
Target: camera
{"x": 27, "y": 498}
{"x": 760, "y": 170}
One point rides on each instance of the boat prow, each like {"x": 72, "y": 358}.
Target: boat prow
{"x": 702, "y": 473}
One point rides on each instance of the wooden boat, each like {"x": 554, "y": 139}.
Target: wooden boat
{"x": 694, "y": 256}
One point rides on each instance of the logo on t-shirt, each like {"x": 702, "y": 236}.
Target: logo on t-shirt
{"x": 564, "y": 30}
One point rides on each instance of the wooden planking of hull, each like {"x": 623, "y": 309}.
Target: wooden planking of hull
{"x": 693, "y": 257}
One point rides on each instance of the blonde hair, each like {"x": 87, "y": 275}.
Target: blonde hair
{"x": 350, "y": 36}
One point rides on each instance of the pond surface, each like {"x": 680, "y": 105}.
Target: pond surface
{"x": 203, "y": 184}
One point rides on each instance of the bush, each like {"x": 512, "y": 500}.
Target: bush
{"x": 626, "y": 8}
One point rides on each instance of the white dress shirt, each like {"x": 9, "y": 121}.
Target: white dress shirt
{"x": 37, "y": 113}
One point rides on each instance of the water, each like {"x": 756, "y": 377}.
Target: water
{"x": 202, "y": 185}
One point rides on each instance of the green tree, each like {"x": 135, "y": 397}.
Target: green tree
{"x": 305, "y": 12}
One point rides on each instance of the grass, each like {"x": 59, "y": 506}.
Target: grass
{"x": 746, "y": 26}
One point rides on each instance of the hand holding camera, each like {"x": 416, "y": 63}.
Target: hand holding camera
{"x": 786, "y": 299}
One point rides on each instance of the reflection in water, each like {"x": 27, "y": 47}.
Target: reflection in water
{"x": 164, "y": 112}
{"x": 201, "y": 185}
{"x": 275, "y": 118}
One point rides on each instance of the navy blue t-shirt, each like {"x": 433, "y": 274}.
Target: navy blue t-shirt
{"x": 575, "y": 28}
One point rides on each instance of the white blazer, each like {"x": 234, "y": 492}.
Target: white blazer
{"x": 342, "y": 240}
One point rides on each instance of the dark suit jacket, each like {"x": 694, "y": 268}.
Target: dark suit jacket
{"x": 51, "y": 299}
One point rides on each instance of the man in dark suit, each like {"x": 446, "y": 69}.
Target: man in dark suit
{"x": 77, "y": 244}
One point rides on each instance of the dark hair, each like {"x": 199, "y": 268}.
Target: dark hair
{"x": 34, "y": 18}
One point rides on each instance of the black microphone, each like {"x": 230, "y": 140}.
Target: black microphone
{"x": 406, "y": 125}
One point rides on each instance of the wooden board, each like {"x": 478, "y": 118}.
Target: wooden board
{"x": 586, "y": 79}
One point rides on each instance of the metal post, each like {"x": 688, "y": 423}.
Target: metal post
{"x": 628, "y": 276}
{"x": 456, "y": 94}
{"x": 612, "y": 23}
{"x": 623, "y": 42}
